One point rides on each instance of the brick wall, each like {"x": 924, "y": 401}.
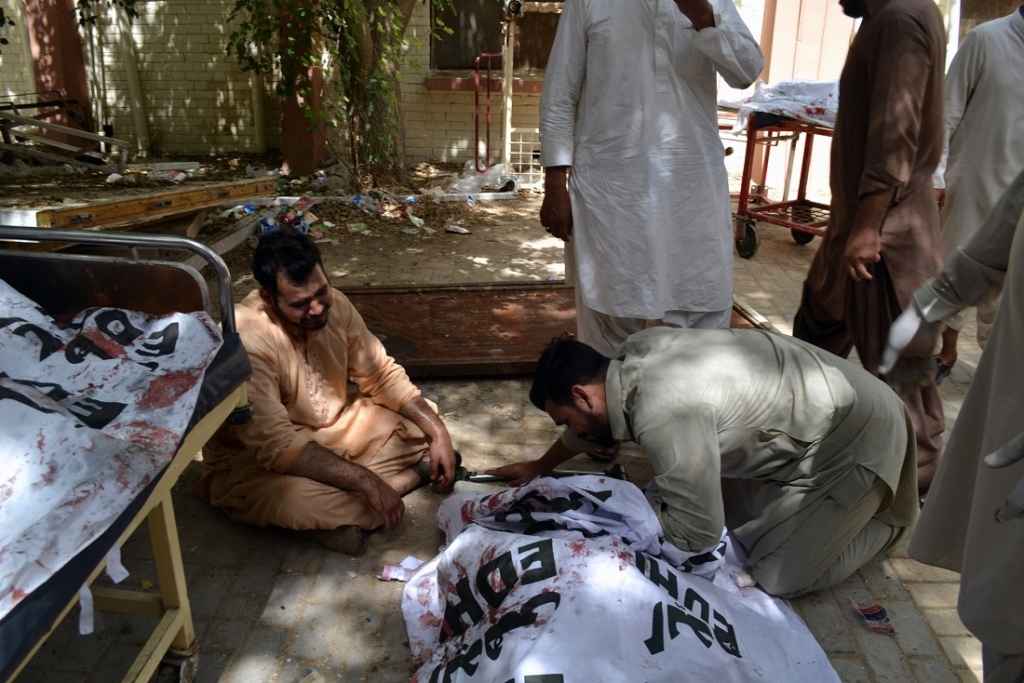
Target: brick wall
{"x": 439, "y": 125}
{"x": 16, "y": 74}
{"x": 197, "y": 100}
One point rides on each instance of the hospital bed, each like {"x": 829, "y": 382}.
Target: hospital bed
{"x": 64, "y": 284}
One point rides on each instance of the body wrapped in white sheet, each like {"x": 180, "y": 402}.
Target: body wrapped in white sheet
{"x": 90, "y": 414}
{"x": 571, "y": 580}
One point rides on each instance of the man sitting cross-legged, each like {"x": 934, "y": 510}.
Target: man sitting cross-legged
{"x": 317, "y": 458}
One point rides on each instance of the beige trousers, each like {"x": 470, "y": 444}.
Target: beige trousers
{"x": 837, "y": 537}
{"x": 252, "y": 494}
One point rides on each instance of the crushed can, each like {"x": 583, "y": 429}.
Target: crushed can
{"x": 267, "y": 225}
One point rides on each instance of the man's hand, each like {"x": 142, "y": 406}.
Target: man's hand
{"x": 1012, "y": 452}
{"x": 699, "y": 12}
{"x": 322, "y": 465}
{"x": 865, "y": 244}
{"x": 527, "y": 470}
{"x": 556, "y": 209}
{"x": 940, "y": 197}
{"x": 864, "y": 248}
{"x": 442, "y": 453}
{"x": 518, "y": 473}
{"x": 386, "y": 502}
{"x": 442, "y": 463}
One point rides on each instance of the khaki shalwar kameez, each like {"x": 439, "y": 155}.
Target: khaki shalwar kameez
{"x": 888, "y": 136}
{"x": 300, "y": 389}
{"x": 807, "y": 459}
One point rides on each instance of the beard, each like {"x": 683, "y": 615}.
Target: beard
{"x": 305, "y": 323}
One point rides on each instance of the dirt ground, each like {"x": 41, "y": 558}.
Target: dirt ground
{"x": 504, "y": 239}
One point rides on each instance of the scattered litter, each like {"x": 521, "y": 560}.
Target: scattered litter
{"x": 165, "y": 166}
{"x": 876, "y": 618}
{"x": 170, "y": 176}
{"x": 328, "y": 224}
{"x": 393, "y": 572}
{"x": 267, "y": 225}
{"x": 363, "y": 204}
{"x": 429, "y": 231}
{"x": 113, "y": 178}
{"x": 418, "y": 222}
{"x": 457, "y": 229}
{"x": 146, "y": 585}
{"x": 552, "y": 278}
{"x": 357, "y": 227}
{"x": 411, "y": 231}
{"x": 436, "y": 192}
{"x": 261, "y": 173}
{"x": 237, "y": 212}
{"x": 400, "y": 572}
{"x": 470, "y": 200}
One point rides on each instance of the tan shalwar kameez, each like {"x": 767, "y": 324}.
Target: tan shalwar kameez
{"x": 958, "y": 529}
{"x": 806, "y": 458}
{"x": 300, "y": 390}
{"x": 888, "y": 136}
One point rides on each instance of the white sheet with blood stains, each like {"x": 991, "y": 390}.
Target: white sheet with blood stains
{"x": 571, "y": 601}
{"x": 90, "y": 413}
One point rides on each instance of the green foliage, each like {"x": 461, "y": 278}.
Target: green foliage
{"x": 85, "y": 10}
{"x": 357, "y": 44}
{"x": 5, "y": 22}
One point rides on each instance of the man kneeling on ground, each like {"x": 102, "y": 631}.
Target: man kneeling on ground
{"x": 316, "y": 458}
{"x": 806, "y": 458}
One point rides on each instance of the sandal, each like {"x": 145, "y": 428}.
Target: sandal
{"x": 942, "y": 370}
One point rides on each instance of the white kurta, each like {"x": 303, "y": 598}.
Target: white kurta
{"x": 984, "y": 118}
{"x": 629, "y": 103}
{"x": 957, "y": 529}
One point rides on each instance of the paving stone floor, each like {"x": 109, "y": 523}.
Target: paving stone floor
{"x": 269, "y": 607}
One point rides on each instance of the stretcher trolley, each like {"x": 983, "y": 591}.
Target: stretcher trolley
{"x": 803, "y": 217}
{"x": 64, "y": 284}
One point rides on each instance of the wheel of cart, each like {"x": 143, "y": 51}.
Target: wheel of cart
{"x": 746, "y": 237}
{"x": 801, "y": 236}
{"x": 804, "y": 218}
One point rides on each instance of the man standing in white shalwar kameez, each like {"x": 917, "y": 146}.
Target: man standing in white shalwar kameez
{"x": 984, "y": 117}
{"x": 629, "y": 105}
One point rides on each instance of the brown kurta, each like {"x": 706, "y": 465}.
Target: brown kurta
{"x": 299, "y": 388}
{"x": 888, "y": 135}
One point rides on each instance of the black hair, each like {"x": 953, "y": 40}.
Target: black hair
{"x": 564, "y": 364}
{"x": 288, "y": 251}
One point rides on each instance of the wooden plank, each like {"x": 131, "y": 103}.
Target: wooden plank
{"x": 46, "y": 141}
{"x": 120, "y": 601}
{"x": 478, "y": 329}
{"x": 446, "y": 331}
{"x": 46, "y": 156}
{"x": 124, "y": 212}
{"x": 28, "y": 121}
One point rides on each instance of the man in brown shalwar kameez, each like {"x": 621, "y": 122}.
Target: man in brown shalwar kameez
{"x": 883, "y": 240}
{"x": 318, "y": 458}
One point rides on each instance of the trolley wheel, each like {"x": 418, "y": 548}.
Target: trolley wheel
{"x": 747, "y": 246}
{"x": 801, "y": 237}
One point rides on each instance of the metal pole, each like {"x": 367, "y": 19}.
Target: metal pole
{"x": 506, "y": 62}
